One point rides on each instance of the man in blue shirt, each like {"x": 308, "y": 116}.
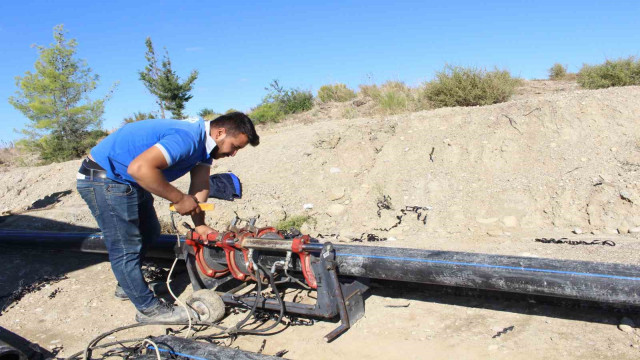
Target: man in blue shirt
{"x": 142, "y": 158}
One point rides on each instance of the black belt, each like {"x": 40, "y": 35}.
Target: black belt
{"x": 91, "y": 172}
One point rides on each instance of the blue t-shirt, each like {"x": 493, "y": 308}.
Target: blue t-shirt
{"x": 183, "y": 143}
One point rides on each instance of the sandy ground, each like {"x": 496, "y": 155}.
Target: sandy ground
{"x": 552, "y": 162}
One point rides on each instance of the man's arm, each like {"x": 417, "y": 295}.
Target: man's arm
{"x": 200, "y": 189}
{"x": 146, "y": 170}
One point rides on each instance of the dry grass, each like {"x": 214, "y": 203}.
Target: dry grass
{"x": 10, "y": 154}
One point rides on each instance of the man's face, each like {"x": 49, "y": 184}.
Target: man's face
{"x": 227, "y": 145}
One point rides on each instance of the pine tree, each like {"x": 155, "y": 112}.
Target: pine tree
{"x": 165, "y": 84}
{"x": 64, "y": 122}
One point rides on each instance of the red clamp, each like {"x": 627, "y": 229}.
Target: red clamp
{"x": 227, "y": 243}
{"x": 196, "y": 241}
{"x": 305, "y": 259}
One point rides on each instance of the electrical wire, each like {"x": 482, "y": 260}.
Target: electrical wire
{"x": 233, "y": 330}
{"x": 169, "y": 282}
{"x": 155, "y": 346}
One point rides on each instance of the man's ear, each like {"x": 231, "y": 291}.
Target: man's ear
{"x": 219, "y": 133}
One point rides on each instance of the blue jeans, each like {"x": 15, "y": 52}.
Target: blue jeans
{"x": 129, "y": 224}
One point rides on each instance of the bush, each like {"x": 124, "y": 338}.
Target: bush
{"x": 621, "y": 72}
{"x": 557, "y": 72}
{"x": 267, "y": 113}
{"x": 336, "y": 92}
{"x": 56, "y": 148}
{"x": 295, "y": 221}
{"x": 9, "y": 153}
{"x": 460, "y": 86}
{"x": 138, "y": 117}
{"x": 296, "y": 101}
{"x": 280, "y": 102}
{"x": 208, "y": 114}
{"x": 392, "y": 97}
{"x": 231, "y": 110}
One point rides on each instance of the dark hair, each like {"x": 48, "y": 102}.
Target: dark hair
{"x": 237, "y": 122}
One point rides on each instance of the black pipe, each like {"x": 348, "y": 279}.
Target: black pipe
{"x": 601, "y": 282}
{"x": 76, "y": 241}
{"x": 584, "y": 280}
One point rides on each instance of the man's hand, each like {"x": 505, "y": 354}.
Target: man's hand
{"x": 203, "y": 231}
{"x": 188, "y": 205}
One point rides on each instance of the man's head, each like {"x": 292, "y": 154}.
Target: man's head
{"x": 232, "y": 132}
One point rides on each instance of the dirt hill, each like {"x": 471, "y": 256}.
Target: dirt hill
{"x": 554, "y": 162}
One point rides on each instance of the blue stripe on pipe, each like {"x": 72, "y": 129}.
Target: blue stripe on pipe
{"x": 176, "y": 353}
{"x": 492, "y": 266}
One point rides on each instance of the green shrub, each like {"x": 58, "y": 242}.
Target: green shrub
{"x": 621, "y": 72}
{"x": 460, "y": 86}
{"x": 392, "y": 97}
{"x": 56, "y": 147}
{"x": 295, "y": 221}
{"x": 336, "y": 92}
{"x": 280, "y": 102}
{"x": 370, "y": 91}
{"x": 557, "y": 72}
{"x": 208, "y": 114}
{"x": 138, "y": 116}
{"x": 296, "y": 101}
{"x": 231, "y": 110}
{"x": 267, "y": 113}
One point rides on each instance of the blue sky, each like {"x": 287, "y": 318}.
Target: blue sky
{"x": 240, "y": 46}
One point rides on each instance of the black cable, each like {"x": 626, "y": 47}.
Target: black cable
{"x": 236, "y": 329}
{"x": 280, "y": 301}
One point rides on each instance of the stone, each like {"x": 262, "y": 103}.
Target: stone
{"x": 634, "y": 230}
{"x": 623, "y": 228}
{"x": 626, "y": 325}
{"x": 625, "y": 195}
{"x": 307, "y": 206}
{"x": 510, "y": 221}
{"x": 336, "y": 193}
{"x": 335, "y": 170}
{"x": 577, "y": 231}
{"x": 336, "y": 210}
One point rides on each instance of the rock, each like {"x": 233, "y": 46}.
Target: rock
{"x": 336, "y": 210}
{"x": 335, "y": 170}
{"x": 487, "y": 220}
{"x": 626, "y": 325}
{"x": 623, "y": 228}
{"x": 307, "y": 206}
{"x": 510, "y": 221}
{"x": 625, "y": 195}
{"x": 634, "y": 230}
{"x": 577, "y": 231}
{"x": 336, "y": 193}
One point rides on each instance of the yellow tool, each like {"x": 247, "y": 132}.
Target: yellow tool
{"x": 203, "y": 206}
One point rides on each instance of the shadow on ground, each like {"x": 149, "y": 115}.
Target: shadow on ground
{"x": 525, "y": 304}
{"x": 26, "y": 264}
